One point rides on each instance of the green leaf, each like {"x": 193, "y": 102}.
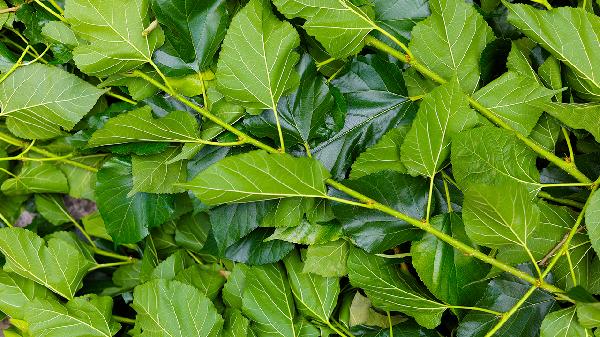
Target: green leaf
{"x": 308, "y": 233}
{"x": 256, "y": 63}
{"x": 127, "y": 219}
{"x": 392, "y": 290}
{"x": 232, "y": 222}
{"x": 171, "y": 266}
{"x": 303, "y": 114}
{"x": 449, "y": 274}
{"x": 515, "y": 99}
{"x": 254, "y": 249}
{"x": 575, "y": 44}
{"x": 94, "y": 226}
{"x": 577, "y": 115}
{"x": 89, "y": 315}
{"x": 155, "y": 173}
{"x": 160, "y": 303}
{"x": 495, "y": 221}
{"x": 268, "y": 301}
{"x": 546, "y": 132}
{"x": 16, "y": 292}
{"x": 315, "y": 296}
{"x": 501, "y": 295}
{"x": 339, "y": 25}
{"x": 56, "y": 264}
{"x": 327, "y": 259}
{"x": 451, "y": 40}
{"x": 82, "y": 182}
{"x": 385, "y": 155}
{"x": 52, "y": 208}
{"x": 194, "y": 31}
{"x": 550, "y": 73}
{"x": 235, "y": 324}
{"x": 140, "y": 126}
{"x": 588, "y": 314}
{"x": 59, "y": 32}
{"x": 138, "y": 88}
{"x": 208, "y": 279}
{"x": 592, "y": 221}
{"x": 375, "y": 231}
{"x": 443, "y": 113}
{"x": 34, "y": 178}
{"x": 192, "y": 231}
{"x": 399, "y": 17}
{"x": 489, "y": 155}
{"x": 113, "y": 29}
{"x": 562, "y": 323}
{"x": 258, "y": 175}
{"x": 234, "y": 289}
{"x": 55, "y": 100}
{"x": 377, "y": 101}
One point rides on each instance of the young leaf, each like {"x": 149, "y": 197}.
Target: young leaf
{"x": 268, "y": 301}
{"x": 160, "y": 303}
{"x": 128, "y": 218}
{"x": 563, "y": 323}
{"x": 17, "y": 292}
{"x": 515, "y": 99}
{"x": 385, "y": 155}
{"x": 155, "y": 173}
{"x": 113, "y": 29}
{"x": 194, "y": 31}
{"x": 52, "y": 208}
{"x": 316, "y": 296}
{"x": 576, "y": 44}
{"x": 256, "y": 64}
{"x": 489, "y": 155}
{"x": 34, "y": 178}
{"x": 54, "y": 100}
{"x": 451, "y": 40}
{"x": 443, "y": 113}
{"x": 327, "y": 259}
{"x": 494, "y": 221}
{"x": 89, "y": 315}
{"x": 339, "y": 25}
{"x": 56, "y": 264}
{"x": 392, "y": 290}
{"x": 59, "y": 32}
{"x": 140, "y": 126}
{"x": 449, "y": 274}
{"x": 592, "y": 221}
{"x": 258, "y": 175}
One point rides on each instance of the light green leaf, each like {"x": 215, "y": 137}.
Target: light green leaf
{"x": 89, "y": 315}
{"x": 235, "y": 286}
{"x": 362, "y": 313}
{"x": 16, "y": 292}
{"x": 588, "y": 314}
{"x": 563, "y": 323}
{"x": 154, "y": 174}
{"x": 57, "y": 264}
{"x": 327, "y": 259}
{"x": 451, "y": 40}
{"x": 493, "y": 220}
{"x": 490, "y": 155}
{"x": 307, "y": 233}
{"x": 82, "y": 182}
{"x": 140, "y": 126}
{"x": 39, "y": 100}
{"x": 206, "y": 278}
{"x": 592, "y": 221}
{"x": 138, "y": 88}
{"x": 160, "y": 304}
{"x": 390, "y": 289}
{"x": 34, "y": 178}
{"x": 94, "y": 226}
{"x": 550, "y": 73}
{"x": 256, "y": 63}
{"x": 443, "y": 113}
{"x": 339, "y": 25}
{"x": 268, "y": 301}
{"x": 546, "y": 132}
{"x": 171, "y": 266}
{"x": 575, "y": 44}
{"x": 59, "y": 32}
{"x": 52, "y": 208}
{"x": 385, "y": 155}
{"x": 113, "y": 29}
{"x": 288, "y": 212}
{"x": 515, "y": 99}
{"x": 315, "y": 296}
{"x": 258, "y": 175}
{"x": 236, "y": 325}
{"x": 577, "y": 115}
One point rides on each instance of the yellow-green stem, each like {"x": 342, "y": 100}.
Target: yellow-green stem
{"x": 121, "y": 97}
{"x": 507, "y": 315}
{"x": 567, "y": 202}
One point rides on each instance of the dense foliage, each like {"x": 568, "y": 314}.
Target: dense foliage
{"x": 295, "y": 168}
